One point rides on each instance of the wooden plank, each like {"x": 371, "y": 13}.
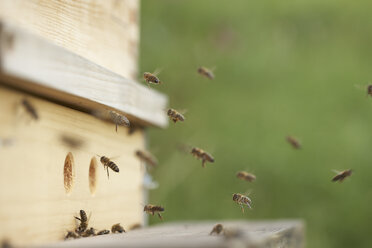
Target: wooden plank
{"x": 284, "y": 234}
{"x": 104, "y": 32}
{"x": 32, "y": 63}
{"x": 36, "y": 204}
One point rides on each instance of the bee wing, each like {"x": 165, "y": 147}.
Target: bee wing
{"x": 157, "y": 71}
{"x": 248, "y": 192}
{"x": 336, "y": 171}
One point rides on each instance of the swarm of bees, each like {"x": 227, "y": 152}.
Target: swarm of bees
{"x": 174, "y": 115}
{"x": 152, "y": 209}
{"x": 203, "y": 155}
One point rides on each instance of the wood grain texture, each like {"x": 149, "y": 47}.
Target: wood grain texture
{"x": 34, "y": 64}
{"x": 35, "y": 205}
{"x": 284, "y": 234}
{"x": 103, "y": 31}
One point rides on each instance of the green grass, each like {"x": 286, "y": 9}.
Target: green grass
{"x": 282, "y": 67}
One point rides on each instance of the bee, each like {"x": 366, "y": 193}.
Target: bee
{"x": 294, "y": 142}
{"x": 242, "y": 200}
{"x": 216, "y": 229}
{"x": 89, "y": 232}
{"x": 135, "y": 226}
{"x": 30, "y": 109}
{"x": 71, "y": 235}
{"x": 342, "y": 175}
{"x": 232, "y": 233}
{"x": 203, "y": 155}
{"x": 175, "y": 116}
{"x": 118, "y": 119}
{"x": 206, "y": 72}
{"x": 107, "y": 163}
{"x": 71, "y": 141}
{"x": 117, "y": 228}
{"x": 151, "y": 78}
{"x": 146, "y": 158}
{"x": 369, "y": 90}
{"x": 103, "y": 232}
{"x": 246, "y": 176}
{"x": 152, "y": 209}
{"x": 83, "y": 222}
{"x": 6, "y": 244}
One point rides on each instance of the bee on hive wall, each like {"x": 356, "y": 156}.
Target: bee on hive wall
{"x": 242, "y": 200}
{"x": 107, "y": 163}
{"x": 30, "y": 109}
{"x": 103, "y": 232}
{"x": 71, "y": 235}
{"x": 89, "y": 232}
{"x": 152, "y": 209}
{"x": 217, "y": 229}
{"x": 203, "y": 155}
{"x": 83, "y": 222}
{"x": 206, "y": 72}
{"x": 341, "y": 175}
{"x": 117, "y": 228}
{"x": 246, "y": 176}
{"x": 293, "y": 142}
{"x": 175, "y": 116}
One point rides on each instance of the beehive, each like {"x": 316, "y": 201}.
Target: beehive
{"x": 70, "y": 59}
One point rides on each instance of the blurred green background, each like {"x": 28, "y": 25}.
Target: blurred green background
{"x": 282, "y": 67}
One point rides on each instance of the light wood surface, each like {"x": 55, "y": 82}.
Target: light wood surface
{"x": 105, "y": 32}
{"x": 284, "y": 234}
{"x": 34, "y": 64}
{"x": 36, "y": 204}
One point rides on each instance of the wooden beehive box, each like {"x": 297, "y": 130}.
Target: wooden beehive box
{"x": 70, "y": 59}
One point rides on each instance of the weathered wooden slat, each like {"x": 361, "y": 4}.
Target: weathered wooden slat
{"x": 104, "y": 32}
{"x": 284, "y": 234}
{"x": 32, "y": 63}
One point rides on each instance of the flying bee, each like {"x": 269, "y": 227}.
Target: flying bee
{"x": 216, "y": 229}
{"x": 152, "y": 209}
{"x": 71, "y": 235}
{"x": 30, "y": 109}
{"x": 206, "y": 72}
{"x": 342, "y": 175}
{"x": 103, "y": 232}
{"x": 203, "y": 155}
{"x": 369, "y": 89}
{"x": 246, "y": 176}
{"x": 118, "y": 119}
{"x": 117, "y": 228}
{"x": 83, "y": 222}
{"x": 294, "y": 142}
{"x": 242, "y": 200}
{"x": 89, "y": 232}
{"x": 175, "y": 116}
{"x": 151, "y": 78}
{"x": 107, "y": 163}
{"x": 146, "y": 157}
